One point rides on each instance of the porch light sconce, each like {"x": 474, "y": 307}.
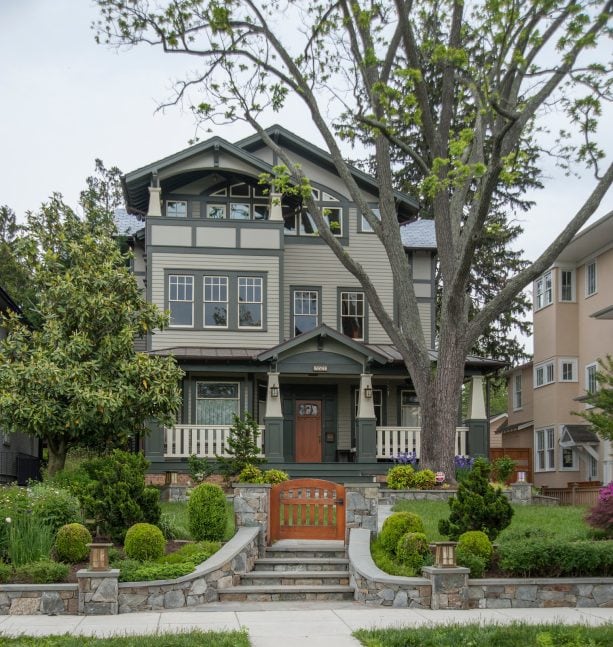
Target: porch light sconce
{"x": 444, "y": 556}
{"x": 99, "y": 556}
{"x": 368, "y": 392}
{"x": 274, "y": 391}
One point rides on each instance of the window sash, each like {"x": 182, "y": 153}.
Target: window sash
{"x": 591, "y": 383}
{"x": 250, "y": 302}
{"x": 353, "y": 314}
{"x": 306, "y": 310}
{"x": 517, "y": 384}
{"x": 176, "y": 208}
{"x": 590, "y": 278}
{"x": 217, "y": 408}
{"x": 215, "y": 297}
{"x": 566, "y": 285}
{"x": 181, "y": 300}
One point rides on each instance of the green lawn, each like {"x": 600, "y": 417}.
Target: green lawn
{"x": 187, "y": 639}
{"x": 178, "y": 512}
{"x": 565, "y": 522}
{"x": 475, "y": 635}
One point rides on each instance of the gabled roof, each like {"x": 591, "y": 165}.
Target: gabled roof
{"x": 323, "y": 331}
{"x": 573, "y": 435}
{"x": 419, "y": 234}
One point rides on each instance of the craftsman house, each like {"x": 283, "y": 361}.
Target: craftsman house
{"x": 573, "y": 329}
{"x": 265, "y": 319}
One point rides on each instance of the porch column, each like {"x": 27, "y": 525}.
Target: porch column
{"x": 276, "y": 213}
{"x": 273, "y": 421}
{"x": 155, "y": 204}
{"x": 477, "y": 439}
{"x": 366, "y": 422}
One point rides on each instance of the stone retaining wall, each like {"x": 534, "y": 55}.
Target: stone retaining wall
{"x": 35, "y": 599}
{"x": 391, "y": 497}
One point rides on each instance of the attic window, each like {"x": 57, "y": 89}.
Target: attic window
{"x": 176, "y": 208}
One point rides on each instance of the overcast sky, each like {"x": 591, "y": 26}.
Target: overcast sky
{"x": 65, "y": 101}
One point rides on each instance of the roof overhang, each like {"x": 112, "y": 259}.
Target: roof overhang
{"x": 588, "y": 240}
{"x": 578, "y": 436}
{"x": 605, "y": 313}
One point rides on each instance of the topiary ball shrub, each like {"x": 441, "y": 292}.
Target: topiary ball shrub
{"x": 412, "y": 550}
{"x": 424, "y": 480}
{"x": 71, "y": 543}
{"x": 206, "y": 510}
{"x": 144, "y": 542}
{"x": 477, "y": 543}
{"x": 400, "y": 477}
{"x": 395, "y": 526}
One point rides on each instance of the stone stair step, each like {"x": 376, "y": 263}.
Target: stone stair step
{"x": 291, "y": 564}
{"x": 295, "y": 578}
{"x": 305, "y": 553}
{"x": 277, "y": 593}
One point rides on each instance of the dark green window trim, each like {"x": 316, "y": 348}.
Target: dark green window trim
{"x": 298, "y": 288}
{"x": 339, "y": 291}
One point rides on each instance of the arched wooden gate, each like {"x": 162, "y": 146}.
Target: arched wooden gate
{"x": 307, "y": 509}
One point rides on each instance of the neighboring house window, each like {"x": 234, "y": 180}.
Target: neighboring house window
{"x": 176, "y": 208}
{"x": 543, "y": 291}
{"x": 353, "y": 314}
{"x": 365, "y": 225}
{"x": 181, "y": 300}
{"x": 568, "y": 370}
{"x": 215, "y": 301}
{"x": 306, "y": 310}
{"x": 410, "y": 411}
{"x": 517, "y": 394}
{"x": 545, "y": 453}
{"x": 543, "y": 374}
{"x": 377, "y": 401}
{"x": 592, "y": 468}
{"x": 216, "y": 403}
{"x": 567, "y": 285}
{"x": 250, "y": 302}
{"x": 590, "y": 278}
{"x": 569, "y": 459}
{"x": 591, "y": 383}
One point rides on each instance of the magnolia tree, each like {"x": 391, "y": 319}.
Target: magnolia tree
{"x": 455, "y": 92}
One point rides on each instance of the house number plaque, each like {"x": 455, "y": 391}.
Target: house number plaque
{"x": 320, "y": 368}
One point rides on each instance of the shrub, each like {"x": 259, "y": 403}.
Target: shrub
{"x": 43, "y": 571}
{"x": 412, "y": 550}
{"x": 400, "y": 477}
{"x": 395, "y": 526}
{"x": 503, "y": 468}
{"x": 251, "y": 474}
{"x": 71, "y": 543}
{"x": 199, "y": 468}
{"x": 144, "y": 542}
{"x": 171, "y": 527}
{"x": 29, "y": 540}
{"x": 273, "y": 476}
{"x": 241, "y": 446}
{"x": 477, "y": 506}
{"x": 477, "y": 543}
{"x": 206, "y": 511}
{"x": 54, "y": 505}
{"x": 131, "y": 570}
{"x": 601, "y": 515}
{"x": 424, "y": 480}
{"x": 74, "y": 480}
{"x": 117, "y": 497}
{"x": 191, "y": 553}
{"x": 5, "y": 573}
{"x": 475, "y": 563}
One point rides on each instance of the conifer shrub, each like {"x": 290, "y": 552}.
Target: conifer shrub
{"x": 71, "y": 543}
{"x": 477, "y": 506}
{"x": 396, "y": 525}
{"x": 241, "y": 447}
{"x": 206, "y": 510}
{"x": 413, "y": 551}
{"x": 400, "y": 477}
{"x": 144, "y": 542}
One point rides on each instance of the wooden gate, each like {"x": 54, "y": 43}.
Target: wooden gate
{"x": 307, "y": 509}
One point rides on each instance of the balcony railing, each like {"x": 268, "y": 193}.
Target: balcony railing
{"x": 205, "y": 441}
{"x": 182, "y": 441}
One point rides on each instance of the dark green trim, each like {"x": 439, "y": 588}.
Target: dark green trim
{"x": 221, "y": 251}
{"x": 310, "y": 288}
{"x": 359, "y": 289}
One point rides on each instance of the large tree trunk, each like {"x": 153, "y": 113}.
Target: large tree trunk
{"x": 57, "y": 455}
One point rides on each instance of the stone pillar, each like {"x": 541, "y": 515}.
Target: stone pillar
{"x": 449, "y": 587}
{"x": 521, "y": 493}
{"x": 361, "y": 507}
{"x": 155, "y": 203}
{"x": 98, "y": 592}
{"x": 276, "y": 212}
{"x": 273, "y": 421}
{"x": 251, "y": 506}
{"x": 366, "y": 423}
{"x": 477, "y": 439}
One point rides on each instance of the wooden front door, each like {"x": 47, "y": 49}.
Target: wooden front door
{"x": 308, "y": 431}
{"x": 307, "y": 509}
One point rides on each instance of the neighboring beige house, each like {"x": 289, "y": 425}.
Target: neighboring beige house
{"x": 265, "y": 319}
{"x": 573, "y": 329}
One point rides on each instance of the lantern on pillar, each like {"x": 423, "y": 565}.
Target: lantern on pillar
{"x": 445, "y": 554}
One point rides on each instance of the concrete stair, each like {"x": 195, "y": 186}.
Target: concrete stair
{"x": 295, "y": 570}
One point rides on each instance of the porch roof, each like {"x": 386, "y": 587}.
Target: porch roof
{"x": 579, "y": 435}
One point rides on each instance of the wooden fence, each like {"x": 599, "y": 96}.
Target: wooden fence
{"x": 574, "y": 495}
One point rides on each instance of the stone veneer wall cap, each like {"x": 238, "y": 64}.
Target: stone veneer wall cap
{"x": 85, "y": 572}
{"x": 499, "y": 581}
{"x": 360, "y": 559}
{"x": 33, "y": 588}
{"x": 225, "y": 554}
{"x": 356, "y": 486}
{"x": 252, "y": 485}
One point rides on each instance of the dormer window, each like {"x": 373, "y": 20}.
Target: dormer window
{"x": 176, "y": 208}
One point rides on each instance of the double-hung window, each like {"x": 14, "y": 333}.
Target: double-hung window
{"x": 249, "y": 302}
{"x": 568, "y": 370}
{"x": 306, "y": 310}
{"x": 215, "y": 301}
{"x": 590, "y": 278}
{"x": 216, "y": 403}
{"x": 543, "y": 374}
{"x": 517, "y": 391}
{"x": 544, "y": 294}
{"x": 567, "y": 286}
{"x": 545, "y": 450}
{"x": 181, "y": 300}
{"x": 353, "y": 314}
{"x": 591, "y": 383}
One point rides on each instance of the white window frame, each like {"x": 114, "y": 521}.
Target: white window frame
{"x": 590, "y": 377}
{"x": 217, "y": 286}
{"x": 302, "y": 291}
{"x": 572, "y": 285}
{"x": 172, "y": 213}
{"x": 251, "y": 284}
{"x": 544, "y": 374}
{"x": 575, "y": 464}
{"x": 543, "y": 291}
{"x": 544, "y": 443}
{"x": 179, "y": 286}
{"x": 572, "y": 361}
{"x": 237, "y": 399}
{"x": 517, "y": 392}
{"x": 591, "y": 281}
{"x": 592, "y": 467}
{"x": 359, "y": 296}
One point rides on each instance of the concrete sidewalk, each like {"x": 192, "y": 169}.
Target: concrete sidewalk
{"x": 316, "y": 624}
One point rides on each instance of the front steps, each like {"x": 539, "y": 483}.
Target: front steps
{"x": 295, "y": 570}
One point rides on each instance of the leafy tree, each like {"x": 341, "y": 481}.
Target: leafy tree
{"x": 76, "y": 379}
{"x": 601, "y": 417}
{"x": 456, "y": 91}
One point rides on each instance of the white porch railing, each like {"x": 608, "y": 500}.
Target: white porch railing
{"x": 182, "y": 441}
{"x": 392, "y": 441}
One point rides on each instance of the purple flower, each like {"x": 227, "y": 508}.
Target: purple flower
{"x": 463, "y": 462}
{"x": 606, "y": 493}
{"x": 406, "y": 458}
